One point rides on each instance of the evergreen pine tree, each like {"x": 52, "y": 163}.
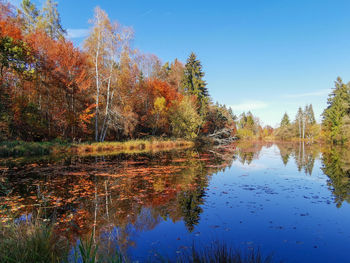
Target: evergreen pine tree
{"x": 29, "y": 14}
{"x": 193, "y": 83}
{"x": 311, "y": 115}
{"x": 285, "y": 120}
{"x": 299, "y": 121}
{"x": 337, "y": 112}
{"x": 50, "y": 20}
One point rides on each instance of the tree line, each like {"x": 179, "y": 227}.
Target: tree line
{"x": 107, "y": 90}
{"x": 303, "y": 126}
{"x": 335, "y": 124}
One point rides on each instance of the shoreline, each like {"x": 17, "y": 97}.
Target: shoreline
{"x": 25, "y": 149}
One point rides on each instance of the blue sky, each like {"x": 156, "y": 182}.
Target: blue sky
{"x": 269, "y": 56}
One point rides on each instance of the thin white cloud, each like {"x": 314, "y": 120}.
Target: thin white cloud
{"x": 249, "y": 105}
{"x": 308, "y": 94}
{"x": 77, "y": 33}
{"x": 147, "y": 12}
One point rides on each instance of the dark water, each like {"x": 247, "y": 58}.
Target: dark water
{"x": 289, "y": 199}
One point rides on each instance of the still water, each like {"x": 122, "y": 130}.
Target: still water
{"x": 291, "y": 200}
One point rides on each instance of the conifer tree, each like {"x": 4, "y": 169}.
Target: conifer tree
{"x": 310, "y": 115}
{"x": 335, "y": 115}
{"x": 299, "y": 121}
{"x": 50, "y": 20}
{"x": 193, "y": 83}
{"x": 29, "y": 15}
{"x": 285, "y": 120}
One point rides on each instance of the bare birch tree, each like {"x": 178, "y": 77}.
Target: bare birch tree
{"x": 105, "y": 44}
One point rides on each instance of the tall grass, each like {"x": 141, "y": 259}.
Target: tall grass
{"x": 89, "y": 252}
{"x": 23, "y": 241}
{"x": 132, "y": 146}
{"x": 220, "y": 252}
{"x": 31, "y": 242}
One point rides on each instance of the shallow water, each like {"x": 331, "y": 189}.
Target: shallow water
{"x": 291, "y": 200}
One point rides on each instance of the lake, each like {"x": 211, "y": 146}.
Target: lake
{"x": 291, "y": 200}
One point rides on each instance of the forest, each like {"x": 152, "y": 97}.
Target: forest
{"x": 109, "y": 91}
{"x": 105, "y": 91}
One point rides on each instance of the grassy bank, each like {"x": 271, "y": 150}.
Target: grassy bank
{"x": 21, "y": 148}
{"x": 132, "y": 146}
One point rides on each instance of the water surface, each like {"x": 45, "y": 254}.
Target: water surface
{"x": 289, "y": 199}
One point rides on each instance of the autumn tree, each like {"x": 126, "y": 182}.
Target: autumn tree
{"x": 219, "y": 117}
{"x": 15, "y": 64}
{"x": 51, "y": 89}
{"x": 185, "y": 120}
{"x": 175, "y": 74}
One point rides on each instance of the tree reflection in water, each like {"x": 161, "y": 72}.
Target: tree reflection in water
{"x": 113, "y": 196}
{"x": 116, "y": 197}
{"x": 304, "y": 155}
{"x": 336, "y": 165}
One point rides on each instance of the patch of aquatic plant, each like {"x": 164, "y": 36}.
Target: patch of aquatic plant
{"x": 87, "y": 251}
{"x": 220, "y": 252}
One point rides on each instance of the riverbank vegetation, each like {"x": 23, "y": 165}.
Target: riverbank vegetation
{"x": 304, "y": 126}
{"x": 131, "y": 146}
